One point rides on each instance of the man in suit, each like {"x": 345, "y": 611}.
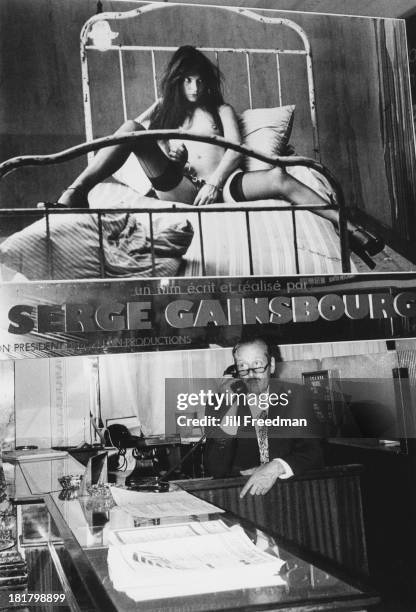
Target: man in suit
{"x": 242, "y": 444}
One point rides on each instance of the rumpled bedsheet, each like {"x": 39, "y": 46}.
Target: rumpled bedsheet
{"x": 73, "y": 252}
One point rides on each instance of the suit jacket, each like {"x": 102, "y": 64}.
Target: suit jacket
{"x": 300, "y": 447}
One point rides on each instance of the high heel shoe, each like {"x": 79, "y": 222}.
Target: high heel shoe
{"x": 72, "y": 197}
{"x": 364, "y": 244}
{"x": 364, "y": 240}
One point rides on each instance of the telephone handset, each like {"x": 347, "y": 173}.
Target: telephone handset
{"x": 231, "y": 370}
{"x": 120, "y": 437}
{"x": 239, "y": 386}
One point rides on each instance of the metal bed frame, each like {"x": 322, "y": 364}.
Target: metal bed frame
{"x": 120, "y": 49}
{"x": 95, "y": 144}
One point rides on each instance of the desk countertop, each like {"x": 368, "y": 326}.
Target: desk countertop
{"x": 83, "y": 525}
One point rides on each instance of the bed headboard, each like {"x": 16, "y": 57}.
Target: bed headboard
{"x": 99, "y": 35}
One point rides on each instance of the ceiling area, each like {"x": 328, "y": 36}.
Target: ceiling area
{"x": 371, "y": 8}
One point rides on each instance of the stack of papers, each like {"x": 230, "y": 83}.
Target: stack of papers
{"x": 161, "y": 505}
{"x": 188, "y": 559}
{"x": 165, "y": 532}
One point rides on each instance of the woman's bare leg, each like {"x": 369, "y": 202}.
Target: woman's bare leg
{"x": 165, "y": 175}
{"x": 105, "y": 163}
{"x": 277, "y": 183}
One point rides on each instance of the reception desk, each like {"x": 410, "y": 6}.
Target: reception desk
{"x": 313, "y": 522}
{"x": 320, "y": 512}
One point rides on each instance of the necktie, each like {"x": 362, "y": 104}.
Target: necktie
{"x": 262, "y": 439}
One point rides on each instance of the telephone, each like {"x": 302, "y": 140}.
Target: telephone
{"x": 146, "y": 453}
{"x": 119, "y": 436}
{"x": 231, "y": 370}
{"x": 239, "y": 386}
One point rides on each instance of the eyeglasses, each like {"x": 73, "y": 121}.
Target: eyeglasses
{"x": 256, "y": 370}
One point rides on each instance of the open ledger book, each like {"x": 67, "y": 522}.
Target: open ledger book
{"x": 188, "y": 559}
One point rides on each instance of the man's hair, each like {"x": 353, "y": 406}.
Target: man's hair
{"x": 174, "y": 108}
{"x": 272, "y": 350}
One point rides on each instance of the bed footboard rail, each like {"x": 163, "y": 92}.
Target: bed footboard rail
{"x": 337, "y": 203}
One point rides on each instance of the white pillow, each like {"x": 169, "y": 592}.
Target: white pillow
{"x": 266, "y": 130}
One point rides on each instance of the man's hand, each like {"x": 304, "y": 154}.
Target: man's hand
{"x": 261, "y": 478}
{"x": 208, "y": 194}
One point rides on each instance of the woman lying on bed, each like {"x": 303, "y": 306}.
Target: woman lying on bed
{"x": 199, "y": 173}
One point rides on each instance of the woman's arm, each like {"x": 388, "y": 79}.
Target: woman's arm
{"x": 231, "y": 159}
{"x": 229, "y": 162}
{"x": 144, "y": 118}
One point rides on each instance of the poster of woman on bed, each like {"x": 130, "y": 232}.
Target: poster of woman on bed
{"x": 320, "y": 104}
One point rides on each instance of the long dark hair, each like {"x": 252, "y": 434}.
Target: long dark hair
{"x": 174, "y": 108}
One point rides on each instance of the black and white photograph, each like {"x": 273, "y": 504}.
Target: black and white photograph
{"x": 207, "y": 305}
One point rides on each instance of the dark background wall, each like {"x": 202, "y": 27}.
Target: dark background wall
{"x": 361, "y": 73}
